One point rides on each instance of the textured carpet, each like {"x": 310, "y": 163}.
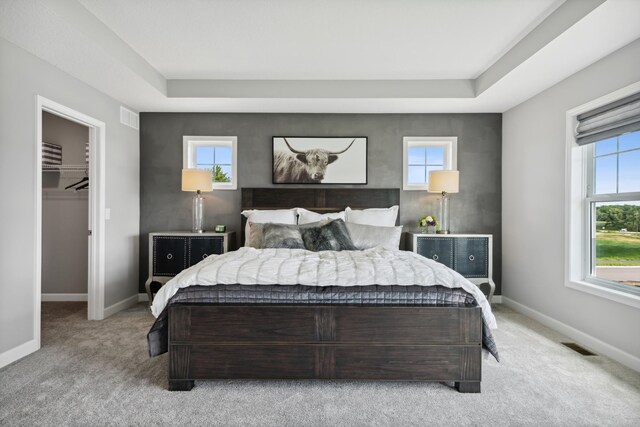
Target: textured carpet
{"x": 98, "y": 373}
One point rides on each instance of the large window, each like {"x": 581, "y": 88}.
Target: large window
{"x": 215, "y": 153}
{"x": 603, "y": 197}
{"x": 425, "y": 154}
{"x": 613, "y": 210}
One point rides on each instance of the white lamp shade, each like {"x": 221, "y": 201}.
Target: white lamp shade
{"x": 447, "y": 181}
{"x": 197, "y": 179}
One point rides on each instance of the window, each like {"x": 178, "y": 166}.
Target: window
{"x": 216, "y": 153}
{"x": 613, "y": 210}
{"x": 425, "y": 154}
{"x": 603, "y": 197}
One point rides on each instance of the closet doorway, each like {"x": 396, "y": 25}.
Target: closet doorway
{"x": 70, "y": 189}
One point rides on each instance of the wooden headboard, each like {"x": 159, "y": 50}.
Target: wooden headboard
{"x": 318, "y": 199}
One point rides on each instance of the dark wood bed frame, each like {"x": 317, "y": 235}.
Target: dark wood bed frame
{"x": 212, "y": 341}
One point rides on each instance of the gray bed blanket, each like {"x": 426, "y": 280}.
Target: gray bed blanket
{"x": 157, "y": 337}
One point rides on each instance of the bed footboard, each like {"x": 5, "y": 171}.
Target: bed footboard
{"x": 325, "y": 342}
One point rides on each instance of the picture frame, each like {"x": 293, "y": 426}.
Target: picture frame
{"x": 320, "y": 160}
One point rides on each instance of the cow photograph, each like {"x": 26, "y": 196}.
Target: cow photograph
{"x": 319, "y": 160}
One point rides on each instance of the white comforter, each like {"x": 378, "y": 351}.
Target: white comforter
{"x": 377, "y": 266}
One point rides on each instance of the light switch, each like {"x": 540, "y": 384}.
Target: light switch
{"x": 107, "y": 213}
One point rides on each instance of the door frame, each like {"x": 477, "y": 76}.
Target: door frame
{"x": 97, "y": 223}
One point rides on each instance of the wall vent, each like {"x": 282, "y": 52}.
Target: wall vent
{"x": 129, "y": 118}
{"x": 578, "y": 348}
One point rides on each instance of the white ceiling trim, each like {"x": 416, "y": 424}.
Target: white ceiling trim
{"x": 556, "y": 23}
{"x": 610, "y": 27}
{"x": 524, "y": 33}
{"x": 67, "y": 35}
{"x": 320, "y": 89}
{"x": 85, "y": 23}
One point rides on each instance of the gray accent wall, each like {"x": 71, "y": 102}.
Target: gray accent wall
{"x": 164, "y": 207}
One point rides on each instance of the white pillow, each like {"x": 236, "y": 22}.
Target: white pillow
{"x": 370, "y": 236}
{"x": 306, "y": 217}
{"x": 257, "y": 216}
{"x": 382, "y": 217}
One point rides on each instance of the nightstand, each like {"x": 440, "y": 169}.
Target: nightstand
{"x": 471, "y": 255}
{"x": 172, "y": 252}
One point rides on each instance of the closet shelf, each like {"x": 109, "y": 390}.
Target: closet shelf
{"x": 68, "y": 168}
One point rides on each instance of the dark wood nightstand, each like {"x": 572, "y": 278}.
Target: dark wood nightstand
{"x": 471, "y": 255}
{"x": 172, "y": 252}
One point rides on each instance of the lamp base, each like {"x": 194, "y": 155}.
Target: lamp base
{"x": 198, "y": 213}
{"x": 444, "y": 214}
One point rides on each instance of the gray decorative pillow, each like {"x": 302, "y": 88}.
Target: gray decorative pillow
{"x": 281, "y": 236}
{"x": 331, "y": 236}
{"x": 370, "y": 236}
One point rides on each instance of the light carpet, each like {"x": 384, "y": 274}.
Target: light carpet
{"x": 98, "y": 373}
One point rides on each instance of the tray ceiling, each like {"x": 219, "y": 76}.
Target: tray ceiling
{"x": 348, "y": 56}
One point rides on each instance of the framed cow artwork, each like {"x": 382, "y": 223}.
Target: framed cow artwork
{"x": 319, "y": 160}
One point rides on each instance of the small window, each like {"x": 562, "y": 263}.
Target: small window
{"x": 425, "y": 154}
{"x": 215, "y": 153}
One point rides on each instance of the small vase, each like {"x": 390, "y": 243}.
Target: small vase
{"x": 430, "y": 229}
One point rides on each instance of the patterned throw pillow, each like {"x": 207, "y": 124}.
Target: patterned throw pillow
{"x": 281, "y": 236}
{"x": 331, "y": 236}
{"x": 258, "y": 216}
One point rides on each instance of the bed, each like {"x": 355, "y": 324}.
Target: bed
{"x": 291, "y": 331}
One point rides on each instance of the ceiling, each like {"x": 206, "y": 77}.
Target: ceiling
{"x": 320, "y": 56}
{"x": 310, "y": 39}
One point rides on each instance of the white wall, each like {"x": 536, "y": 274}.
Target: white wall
{"x": 533, "y": 200}
{"x": 22, "y": 77}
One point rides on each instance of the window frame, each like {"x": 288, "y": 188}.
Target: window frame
{"x": 450, "y": 145}
{"x": 579, "y": 182}
{"x": 191, "y": 142}
{"x": 591, "y": 198}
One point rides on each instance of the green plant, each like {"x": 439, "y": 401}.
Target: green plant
{"x": 219, "y": 175}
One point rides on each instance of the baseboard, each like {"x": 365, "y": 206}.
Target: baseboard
{"x": 143, "y": 297}
{"x": 585, "y": 339}
{"x": 63, "y": 297}
{"x": 18, "y": 352}
{"x": 119, "y": 306}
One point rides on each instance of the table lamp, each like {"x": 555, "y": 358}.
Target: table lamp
{"x": 197, "y": 180}
{"x": 444, "y": 182}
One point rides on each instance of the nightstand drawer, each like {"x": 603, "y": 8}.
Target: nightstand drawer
{"x": 169, "y": 255}
{"x": 472, "y": 257}
{"x": 202, "y": 247}
{"x": 436, "y": 248}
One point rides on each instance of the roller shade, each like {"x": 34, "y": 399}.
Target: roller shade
{"x": 609, "y": 121}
